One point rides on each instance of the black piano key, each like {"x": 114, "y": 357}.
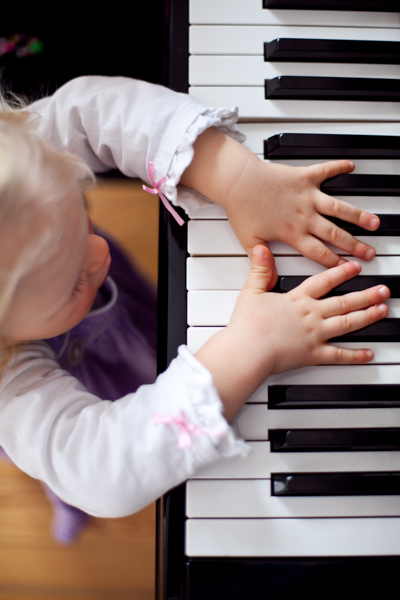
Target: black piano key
{"x": 389, "y": 226}
{"x": 290, "y": 87}
{"x": 334, "y": 440}
{"x": 335, "y": 484}
{"x": 323, "y": 145}
{"x": 362, "y": 185}
{"x": 364, "y": 5}
{"x": 337, "y": 51}
{"x": 361, "y": 282}
{"x": 287, "y": 397}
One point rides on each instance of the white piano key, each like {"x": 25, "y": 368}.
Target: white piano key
{"x": 216, "y": 237}
{"x": 251, "y": 12}
{"x": 258, "y": 132}
{"x": 212, "y": 237}
{"x": 287, "y": 265}
{"x": 375, "y": 204}
{"x": 331, "y": 375}
{"x": 293, "y": 537}
{"x": 384, "y": 352}
{"x": 253, "y": 105}
{"x": 230, "y": 272}
{"x": 261, "y": 463}
{"x": 216, "y": 273}
{"x": 366, "y": 374}
{"x": 253, "y": 70}
{"x": 210, "y": 308}
{"x": 198, "y": 336}
{"x": 362, "y": 166}
{"x": 372, "y": 204}
{"x": 251, "y": 498}
{"x": 243, "y": 40}
{"x": 254, "y": 420}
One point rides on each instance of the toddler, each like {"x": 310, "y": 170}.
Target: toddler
{"x": 80, "y": 406}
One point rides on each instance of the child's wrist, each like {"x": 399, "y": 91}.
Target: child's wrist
{"x": 236, "y": 372}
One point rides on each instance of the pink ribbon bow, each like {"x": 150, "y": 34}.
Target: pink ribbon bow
{"x": 186, "y": 428}
{"x": 157, "y": 190}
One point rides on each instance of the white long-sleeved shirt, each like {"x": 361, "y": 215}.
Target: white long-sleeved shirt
{"x": 113, "y": 458}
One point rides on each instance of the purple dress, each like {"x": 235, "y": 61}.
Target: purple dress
{"x": 112, "y": 352}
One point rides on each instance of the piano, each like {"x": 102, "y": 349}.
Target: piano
{"x": 314, "y": 511}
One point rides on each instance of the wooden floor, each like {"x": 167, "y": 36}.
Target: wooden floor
{"x": 115, "y": 558}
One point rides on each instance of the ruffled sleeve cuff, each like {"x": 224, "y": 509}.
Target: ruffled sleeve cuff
{"x": 188, "y": 199}
{"x": 213, "y": 437}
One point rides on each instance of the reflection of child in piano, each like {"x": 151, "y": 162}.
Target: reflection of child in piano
{"x": 61, "y": 425}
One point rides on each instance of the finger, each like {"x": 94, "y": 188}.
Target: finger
{"x": 331, "y": 233}
{"x": 261, "y": 271}
{"x": 323, "y": 171}
{"x": 274, "y": 276}
{"x": 332, "y": 207}
{"x": 340, "y": 325}
{"x": 335, "y": 355}
{"x": 322, "y": 283}
{"x": 342, "y": 305}
{"x": 313, "y": 248}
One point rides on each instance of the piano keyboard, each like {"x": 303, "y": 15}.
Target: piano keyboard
{"x": 321, "y": 489}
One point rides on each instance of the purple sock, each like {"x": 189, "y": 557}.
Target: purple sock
{"x": 4, "y": 456}
{"x": 68, "y": 521}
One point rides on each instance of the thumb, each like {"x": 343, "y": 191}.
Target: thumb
{"x": 263, "y": 275}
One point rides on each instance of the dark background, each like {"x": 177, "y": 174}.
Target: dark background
{"x": 112, "y": 41}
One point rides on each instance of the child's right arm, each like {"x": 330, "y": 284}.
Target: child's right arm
{"x": 113, "y": 458}
{"x": 271, "y": 333}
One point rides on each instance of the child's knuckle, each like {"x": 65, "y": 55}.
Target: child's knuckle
{"x": 293, "y": 232}
{"x": 325, "y": 279}
{"x": 328, "y": 169}
{"x": 338, "y": 207}
{"x": 335, "y": 235}
{"x": 345, "y": 304}
{"x": 347, "y": 323}
{"x": 321, "y": 254}
{"x": 340, "y": 354}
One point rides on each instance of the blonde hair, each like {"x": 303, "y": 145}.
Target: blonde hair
{"x": 34, "y": 178}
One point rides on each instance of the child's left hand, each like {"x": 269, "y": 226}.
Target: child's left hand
{"x": 268, "y": 202}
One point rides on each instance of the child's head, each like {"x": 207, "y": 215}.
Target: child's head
{"x": 50, "y": 264}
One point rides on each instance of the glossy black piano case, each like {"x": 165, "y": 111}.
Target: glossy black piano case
{"x": 182, "y": 578}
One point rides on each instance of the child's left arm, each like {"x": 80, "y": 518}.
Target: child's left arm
{"x": 270, "y": 202}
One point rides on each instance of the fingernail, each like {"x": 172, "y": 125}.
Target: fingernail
{"x": 382, "y": 308}
{"x": 384, "y": 292}
{"x": 356, "y": 264}
{"x": 369, "y": 354}
{"x": 374, "y": 223}
{"x": 369, "y": 254}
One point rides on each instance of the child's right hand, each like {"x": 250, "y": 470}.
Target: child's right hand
{"x": 270, "y": 333}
